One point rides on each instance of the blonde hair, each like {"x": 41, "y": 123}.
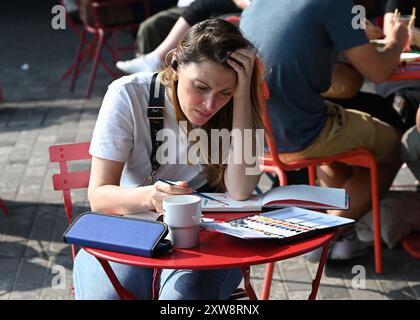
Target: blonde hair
{"x": 213, "y": 40}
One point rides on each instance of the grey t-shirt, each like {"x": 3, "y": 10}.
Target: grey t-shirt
{"x": 299, "y": 40}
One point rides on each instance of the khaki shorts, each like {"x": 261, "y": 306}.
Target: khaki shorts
{"x": 346, "y": 130}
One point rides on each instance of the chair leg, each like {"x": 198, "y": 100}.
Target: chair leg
{"x": 376, "y": 219}
{"x": 321, "y": 264}
{"x": 247, "y": 283}
{"x": 155, "y": 283}
{"x": 1, "y": 95}
{"x": 312, "y": 175}
{"x": 123, "y": 293}
{"x": 3, "y": 207}
{"x": 95, "y": 62}
{"x": 78, "y": 60}
{"x": 84, "y": 57}
{"x": 267, "y": 281}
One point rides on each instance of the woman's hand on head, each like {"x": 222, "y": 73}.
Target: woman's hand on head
{"x": 162, "y": 190}
{"x": 243, "y": 61}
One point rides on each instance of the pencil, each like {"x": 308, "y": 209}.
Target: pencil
{"x": 412, "y": 19}
{"x": 195, "y": 192}
{"x": 396, "y": 15}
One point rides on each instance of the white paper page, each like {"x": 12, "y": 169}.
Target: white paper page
{"x": 333, "y": 197}
{"x": 253, "y": 204}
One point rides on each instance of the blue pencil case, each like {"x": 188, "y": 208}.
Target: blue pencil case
{"x": 119, "y": 233}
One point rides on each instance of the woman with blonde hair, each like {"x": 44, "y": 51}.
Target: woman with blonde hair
{"x": 212, "y": 82}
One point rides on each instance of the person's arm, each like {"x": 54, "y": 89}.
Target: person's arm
{"x": 418, "y": 120}
{"x": 106, "y": 195}
{"x": 403, "y": 6}
{"x": 198, "y": 11}
{"x": 239, "y": 183}
{"x": 378, "y": 66}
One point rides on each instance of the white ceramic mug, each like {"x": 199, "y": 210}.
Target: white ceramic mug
{"x": 182, "y": 214}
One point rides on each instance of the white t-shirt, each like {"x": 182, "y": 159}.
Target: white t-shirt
{"x": 122, "y": 134}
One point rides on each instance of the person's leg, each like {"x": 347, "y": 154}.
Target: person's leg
{"x": 199, "y": 284}
{"x": 346, "y": 130}
{"x": 334, "y": 175}
{"x": 91, "y": 282}
{"x": 386, "y": 145}
{"x": 155, "y": 59}
{"x": 153, "y": 31}
{"x": 374, "y": 104}
{"x": 175, "y": 35}
{"x": 410, "y": 151}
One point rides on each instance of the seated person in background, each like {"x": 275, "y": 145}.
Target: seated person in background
{"x": 299, "y": 48}
{"x": 410, "y": 151}
{"x": 346, "y": 83}
{"x": 212, "y": 83}
{"x": 198, "y": 11}
{"x": 154, "y": 29}
{"x": 404, "y": 94}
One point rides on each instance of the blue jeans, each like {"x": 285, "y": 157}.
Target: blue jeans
{"x": 91, "y": 283}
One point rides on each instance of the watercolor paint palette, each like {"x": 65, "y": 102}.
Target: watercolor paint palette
{"x": 284, "y": 224}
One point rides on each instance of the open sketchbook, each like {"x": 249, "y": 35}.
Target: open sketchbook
{"x": 284, "y": 224}
{"x": 293, "y": 195}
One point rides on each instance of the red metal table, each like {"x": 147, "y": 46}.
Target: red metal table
{"x": 217, "y": 250}
{"x": 409, "y": 71}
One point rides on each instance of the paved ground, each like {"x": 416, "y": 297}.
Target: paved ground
{"x": 39, "y": 112}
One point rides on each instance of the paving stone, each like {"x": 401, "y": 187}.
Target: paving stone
{"x": 8, "y": 267}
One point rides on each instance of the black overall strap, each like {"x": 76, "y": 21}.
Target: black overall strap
{"x": 155, "y": 114}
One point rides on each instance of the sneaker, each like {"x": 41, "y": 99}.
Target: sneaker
{"x": 347, "y": 247}
{"x": 144, "y": 63}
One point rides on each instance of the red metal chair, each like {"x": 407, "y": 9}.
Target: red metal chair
{"x": 91, "y": 49}
{"x": 411, "y": 244}
{"x": 65, "y": 181}
{"x": 271, "y": 163}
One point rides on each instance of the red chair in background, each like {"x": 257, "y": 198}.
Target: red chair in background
{"x": 90, "y": 50}
{"x": 3, "y": 207}
{"x": 65, "y": 181}
{"x": 1, "y": 95}
{"x": 76, "y": 25}
{"x": 271, "y": 163}
{"x": 411, "y": 244}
